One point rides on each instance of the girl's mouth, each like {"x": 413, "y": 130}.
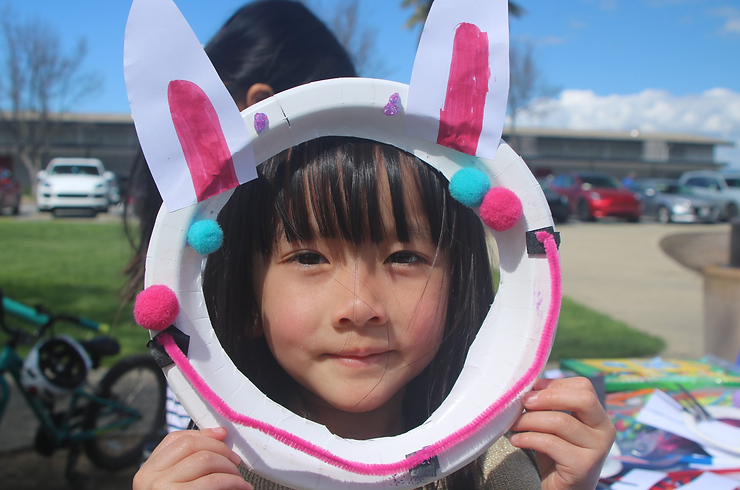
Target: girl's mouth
{"x": 361, "y": 360}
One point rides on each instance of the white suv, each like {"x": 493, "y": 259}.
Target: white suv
{"x": 707, "y": 183}
{"x": 74, "y": 183}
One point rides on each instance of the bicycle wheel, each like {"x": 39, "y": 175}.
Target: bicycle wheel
{"x": 133, "y": 414}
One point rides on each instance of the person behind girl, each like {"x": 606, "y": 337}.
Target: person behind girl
{"x": 349, "y": 288}
{"x": 266, "y": 47}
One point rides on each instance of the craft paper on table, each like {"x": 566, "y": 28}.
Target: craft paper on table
{"x": 713, "y": 481}
{"x": 638, "y": 479}
{"x": 663, "y": 412}
{"x": 460, "y": 80}
{"x": 197, "y": 111}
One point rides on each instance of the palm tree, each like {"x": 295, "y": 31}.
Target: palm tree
{"x": 421, "y": 10}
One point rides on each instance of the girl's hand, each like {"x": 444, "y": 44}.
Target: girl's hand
{"x": 192, "y": 459}
{"x": 570, "y": 447}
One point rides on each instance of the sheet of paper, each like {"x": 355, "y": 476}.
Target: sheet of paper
{"x": 160, "y": 48}
{"x": 663, "y": 412}
{"x": 461, "y": 77}
{"x": 638, "y": 479}
{"x": 711, "y": 480}
{"x": 724, "y": 434}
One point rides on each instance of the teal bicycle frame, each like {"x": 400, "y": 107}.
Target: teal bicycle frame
{"x": 66, "y": 429}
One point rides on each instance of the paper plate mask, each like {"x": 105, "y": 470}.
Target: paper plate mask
{"x": 199, "y": 148}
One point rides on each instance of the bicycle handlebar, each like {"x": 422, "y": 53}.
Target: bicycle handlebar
{"x": 44, "y": 320}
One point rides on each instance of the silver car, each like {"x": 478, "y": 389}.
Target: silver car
{"x": 668, "y": 202}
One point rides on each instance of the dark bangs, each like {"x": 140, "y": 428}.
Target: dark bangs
{"x": 334, "y": 188}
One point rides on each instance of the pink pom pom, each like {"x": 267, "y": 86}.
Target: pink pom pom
{"x": 156, "y": 307}
{"x": 501, "y": 209}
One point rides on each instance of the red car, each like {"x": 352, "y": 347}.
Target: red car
{"x": 10, "y": 192}
{"x": 594, "y": 195}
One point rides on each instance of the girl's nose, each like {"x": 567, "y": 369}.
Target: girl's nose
{"x": 358, "y": 303}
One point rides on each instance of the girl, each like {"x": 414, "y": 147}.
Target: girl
{"x": 349, "y": 288}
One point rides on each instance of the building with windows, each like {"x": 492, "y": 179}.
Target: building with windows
{"x": 550, "y": 151}
{"x": 112, "y": 139}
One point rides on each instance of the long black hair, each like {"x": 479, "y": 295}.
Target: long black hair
{"x": 330, "y": 188}
{"x": 276, "y": 42}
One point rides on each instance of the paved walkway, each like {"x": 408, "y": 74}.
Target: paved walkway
{"x": 620, "y": 269}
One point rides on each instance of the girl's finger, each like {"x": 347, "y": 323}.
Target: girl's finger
{"x": 199, "y": 465}
{"x": 221, "y": 482}
{"x": 186, "y": 443}
{"x": 575, "y": 397}
{"x": 558, "y": 424}
{"x": 218, "y": 433}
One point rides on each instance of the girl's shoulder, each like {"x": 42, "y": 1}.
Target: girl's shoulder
{"x": 506, "y": 467}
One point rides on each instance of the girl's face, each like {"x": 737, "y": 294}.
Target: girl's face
{"x": 354, "y": 324}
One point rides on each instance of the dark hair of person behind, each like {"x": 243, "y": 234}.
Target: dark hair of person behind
{"x": 338, "y": 177}
{"x": 276, "y": 42}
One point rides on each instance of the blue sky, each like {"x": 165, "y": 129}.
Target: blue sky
{"x": 661, "y": 65}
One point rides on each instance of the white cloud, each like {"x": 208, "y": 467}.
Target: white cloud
{"x": 715, "y": 112}
{"x": 731, "y": 16}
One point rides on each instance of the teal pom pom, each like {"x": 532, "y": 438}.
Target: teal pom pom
{"x": 469, "y": 186}
{"x": 205, "y": 236}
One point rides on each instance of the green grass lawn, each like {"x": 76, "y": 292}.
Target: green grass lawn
{"x": 74, "y": 267}
{"x": 71, "y": 267}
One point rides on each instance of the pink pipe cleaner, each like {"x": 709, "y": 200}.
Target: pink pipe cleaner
{"x": 427, "y": 452}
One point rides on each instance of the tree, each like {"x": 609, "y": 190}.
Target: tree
{"x": 421, "y": 11}
{"x": 525, "y": 84}
{"x": 358, "y": 39}
{"x": 38, "y": 85}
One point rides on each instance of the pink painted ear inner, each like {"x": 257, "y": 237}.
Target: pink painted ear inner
{"x": 461, "y": 118}
{"x": 202, "y": 139}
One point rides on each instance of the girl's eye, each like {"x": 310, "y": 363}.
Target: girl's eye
{"x": 404, "y": 257}
{"x": 308, "y": 258}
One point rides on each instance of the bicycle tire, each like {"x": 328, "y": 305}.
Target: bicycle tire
{"x": 138, "y": 382}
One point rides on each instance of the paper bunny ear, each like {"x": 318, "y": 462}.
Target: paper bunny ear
{"x": 193, "y": 137}
{"x": 460, "y": 80}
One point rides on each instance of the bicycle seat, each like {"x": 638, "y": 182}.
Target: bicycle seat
{"x": 100, "y": 347}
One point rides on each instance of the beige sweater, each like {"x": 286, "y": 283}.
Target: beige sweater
{"x": 505, "y": 468}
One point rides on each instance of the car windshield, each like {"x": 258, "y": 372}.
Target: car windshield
{"x": 733, "y": 181}
{"x": 601, "y": 181}
{"x": 74, "y": 169}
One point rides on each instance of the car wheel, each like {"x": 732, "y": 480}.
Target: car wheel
{"x": 731, "y": 211}
{"x": 584, "y": 212}
{"x": 664, "y": 215}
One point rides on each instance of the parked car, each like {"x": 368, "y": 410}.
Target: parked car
{"x": 74, "y": 183}
{"x": 669, "y": 202}
{"x": 593, "y": 195}
{"x": 10, "y": 192}
{"x": 711, "y": 184}
{"x": 732, "y": 178}
{"x": 558, "y": 203}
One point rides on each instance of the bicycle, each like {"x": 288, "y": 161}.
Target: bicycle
{"x": 111, "y": 422}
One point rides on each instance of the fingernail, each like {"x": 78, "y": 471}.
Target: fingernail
{"x": 530, "y": 397}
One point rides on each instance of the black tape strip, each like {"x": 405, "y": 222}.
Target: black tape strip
{"x": 426, "y": 469}
{"x": 157, "y": 350}
{"x": 534, "y": 246}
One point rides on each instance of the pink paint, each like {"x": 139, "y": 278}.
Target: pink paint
{"x": 461, "y": 119}
{"x": 285, "y": 437}
{"x": 201, "y": 138}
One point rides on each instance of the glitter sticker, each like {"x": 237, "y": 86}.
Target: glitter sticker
{"x": 392, "y": 107}
{"x": 260, "y": 122}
